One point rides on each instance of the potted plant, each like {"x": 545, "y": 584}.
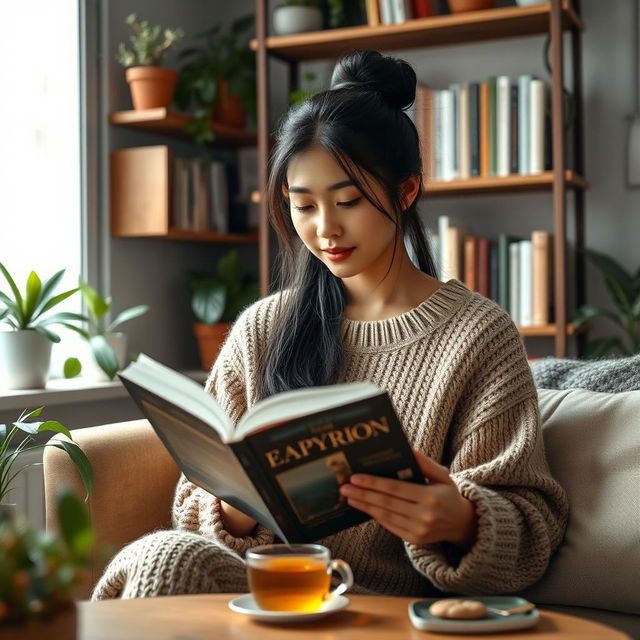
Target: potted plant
{"x": 297, "y": 16}
{"x": 25, "y": 350}
{"x": 39, "y": 571}
{"x": 625, "y": 290}
{"x": 216, "y": 301}
{"x": 108, "y": 347}
{"x": 218, "y": 79}
{"x": 10, "y": 455}
{"x": 151, "y": 85}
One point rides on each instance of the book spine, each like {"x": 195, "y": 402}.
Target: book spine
{"x": 474, "y": 128}
{"x": 483, "y": 266}
{"x": 453, "y": 255}
{"x": 455, "y": 130}
{"x": 541, "y": 260}
{"x": 493, "y": 138}
{"x": 513, "y": 136}
{"x": 484, "y": 130}
{"x": 470, "y": 260}
{"x": 503, "y": 271}
{"x": 494, "y": 273}
{"x": 443, "y": 234}
{"x": 503, "y": 113}
{"x": 421, "y": 8}
{"x": 399, "y": 11}
{"x": 525, "y": 315}
{"x": 537, "y": 114}
{"x": 386, "y": 11}
{"x": 428, "y": 126}
{"x": 448, "y": 135}
{"x": 514, "y": 282}
{"x": 373, "y": 13}
{"x": 464, "y": 132}
{"x": 524, "y": 123}
{"x": 437, "y": 135}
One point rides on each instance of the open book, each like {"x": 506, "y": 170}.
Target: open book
{"x": 284, "y": 461}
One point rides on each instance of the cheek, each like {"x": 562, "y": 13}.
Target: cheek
{"x": 302, "y": 227}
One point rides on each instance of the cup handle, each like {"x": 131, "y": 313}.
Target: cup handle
{"x": 341, "y": 567}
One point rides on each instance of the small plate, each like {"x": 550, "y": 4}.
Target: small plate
{"x": 423, "y": 620}
{"x": 247, "y": 605}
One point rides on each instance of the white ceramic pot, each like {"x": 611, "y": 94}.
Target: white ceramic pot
{"x": 289, "y": 20}
{"x": 91, "y": 369}
{"x": 25, "y": 358}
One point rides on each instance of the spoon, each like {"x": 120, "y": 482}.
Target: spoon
{"x": 521, "y": 608}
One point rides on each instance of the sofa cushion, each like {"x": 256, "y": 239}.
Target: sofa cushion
{"x": 592, "y": 442}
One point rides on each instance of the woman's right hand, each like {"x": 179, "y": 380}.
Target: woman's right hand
{"x": 235, "y": 522}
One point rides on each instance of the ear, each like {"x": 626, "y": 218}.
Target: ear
{"x": 285, "y": 191}
{"x": 409, "y": 191}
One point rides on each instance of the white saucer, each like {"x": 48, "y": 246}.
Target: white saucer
{"x": 247, "y": 605}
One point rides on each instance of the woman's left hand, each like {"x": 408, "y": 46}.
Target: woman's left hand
{"x": 419, "y": 514}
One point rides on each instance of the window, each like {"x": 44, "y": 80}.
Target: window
{"x": 40, "y": 160}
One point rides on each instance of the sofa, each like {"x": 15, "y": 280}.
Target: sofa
{"x": 592, "y": 440}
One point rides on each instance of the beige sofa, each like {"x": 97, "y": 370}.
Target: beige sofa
{"x": 593, "y": 446}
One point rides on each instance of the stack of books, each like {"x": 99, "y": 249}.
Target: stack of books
{"x": 516, "y": 272}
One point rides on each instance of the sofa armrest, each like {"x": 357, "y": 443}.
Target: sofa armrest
{"x": 134, "y": 481}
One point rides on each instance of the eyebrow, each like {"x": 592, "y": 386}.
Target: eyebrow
{"x": 331, "y": 187}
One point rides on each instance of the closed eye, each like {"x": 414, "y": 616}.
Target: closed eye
{"x": 304, "y": 208}
{"x": 350, "y": 203}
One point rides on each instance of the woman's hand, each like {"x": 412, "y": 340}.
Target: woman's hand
{"x": 235, "y": 522}
{"x": 419, "y": 514}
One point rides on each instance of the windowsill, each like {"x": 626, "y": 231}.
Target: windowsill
{"x": 63, "y": 391}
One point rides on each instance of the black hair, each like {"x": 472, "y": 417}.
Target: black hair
{"x": 361, "y": 121}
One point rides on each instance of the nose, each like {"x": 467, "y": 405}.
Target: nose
{"x": 328, "y": 223}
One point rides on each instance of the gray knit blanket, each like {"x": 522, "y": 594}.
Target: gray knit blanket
{"x": 608, "y": 375}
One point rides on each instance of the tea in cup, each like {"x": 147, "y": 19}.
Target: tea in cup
{"x": 294, "y": 577}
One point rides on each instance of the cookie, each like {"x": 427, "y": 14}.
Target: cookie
{"x": 457, "y": 608}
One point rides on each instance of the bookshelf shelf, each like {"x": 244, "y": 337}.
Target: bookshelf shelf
{"x": 437, "y": 31}
{"x": 197, "y": 236}
{"x": 506, "y": 184}
{"x": 167, "y": 122}
{"x": 547, "y": 330}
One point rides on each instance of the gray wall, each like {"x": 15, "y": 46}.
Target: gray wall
{"x": 152, "y": 271}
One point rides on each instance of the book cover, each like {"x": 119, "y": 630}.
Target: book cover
{"x": 386, "y": 11}
{"x": 373, "y": 13}
{"x": 483, "y": 266}
{"x": 493, "y": 137}
{"x": 513, "y": 134}
{"x": 524, "y": 263}
{"x": 537, "y": 127}
{"x": 504, "y": 286}
{"x": 524, "y": 123}
{"x": 284, "y": 461}
{"x": 470, "y": 262}
{"x": 447, "y": 123}
{"x": 422, "y": 8}
{"x": 514, "y": 282}
{"x": 494, "y": 271}
{"x": 454, "y": 90}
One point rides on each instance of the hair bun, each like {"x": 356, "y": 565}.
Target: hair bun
{"x": 392, "y": 78}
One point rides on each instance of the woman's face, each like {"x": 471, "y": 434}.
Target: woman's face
{"x": 334, "y": 219}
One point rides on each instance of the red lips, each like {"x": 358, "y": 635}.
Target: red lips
{"x": 338, "y": 254}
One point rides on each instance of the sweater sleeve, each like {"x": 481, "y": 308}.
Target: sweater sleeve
{"x": 496, "y": 458}
{"x": 195, "y": 509}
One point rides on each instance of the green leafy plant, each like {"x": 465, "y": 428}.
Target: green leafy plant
{"x": 40, "y": 570}
{"x": 222, "y": 296}
{"x": 29, "y": 310}
{"x": 97, "y": 308}
{"x": 10, "y": 457}
{"x": 624, "y": 288}
{"x": 308, "y": 89}
{"x": 148, "y": 44}
{"x": 222, "y": 56}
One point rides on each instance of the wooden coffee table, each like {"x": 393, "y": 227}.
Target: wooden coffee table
{"x": 366, "y": 618}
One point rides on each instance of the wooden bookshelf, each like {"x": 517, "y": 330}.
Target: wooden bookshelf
{"x": 547, "y": 330}
{"x": 436, "y": 31}
{"x": 201, "y": 236}
{"x": 172, "y": 123}
{"x": 506, "y": 184}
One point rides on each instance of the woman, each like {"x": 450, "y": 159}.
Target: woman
{"x": 345, "y": 180}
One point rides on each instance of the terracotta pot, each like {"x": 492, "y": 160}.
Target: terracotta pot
{"x": 151, "y": 87}
{"x": 210, "y": 338}
{"x": 460, "y": 6}
{"x": 227, "y": 108}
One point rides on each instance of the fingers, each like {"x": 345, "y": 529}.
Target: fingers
{"x": 431, "y": 469}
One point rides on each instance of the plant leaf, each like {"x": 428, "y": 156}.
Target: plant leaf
{"x": 75, "y": 524}
{"x": 618, "y": 280}
{"x": 32, "y": 298}
{"x": 587, "y": 313}
{"x": 97, "y": 305}
{"x": 33, "y": 414}
{"x": 208, "y": 302}
{"x": 72, "y": 368}
{"x": 105, "y": 356}
{"x": 56, "y": 300}
{"x": 603, "y": 346}
{"x": 28, "y": 427}
{"x": 48, "y": 286}
{"x": 47, "y": 333}
{"x": 79, "y": 458}
{"x": 54, "y": 425}
{"x": 16, "y": 294}
{"x": 128, "y": 314}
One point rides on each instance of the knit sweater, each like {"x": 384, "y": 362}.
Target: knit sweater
{"x": 457, "y": 374}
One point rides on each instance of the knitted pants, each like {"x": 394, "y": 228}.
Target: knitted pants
{"x": 172, "y": 563}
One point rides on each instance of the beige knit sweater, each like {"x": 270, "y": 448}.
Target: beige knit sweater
{"x": 457, "y": 374}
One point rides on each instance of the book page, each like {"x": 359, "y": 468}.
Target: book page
{"x": 301, "y": 402}
{"x": 179, "y": 390}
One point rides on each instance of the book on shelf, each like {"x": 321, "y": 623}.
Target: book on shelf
{"x": 542, "y": 277}
{"x": 503, "y": 129}
{"x": 373, "y": 13}
{"x": 284, "y": 461}
{"x": 470, "y": 257}
{"x": 514, "y": 281}
{"x": 537, "y": 127}
{"x": 464, "y": 132}
{"x": 525, "y": 311}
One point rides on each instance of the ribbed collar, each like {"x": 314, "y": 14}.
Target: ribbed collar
{"x": 392, "y": 333}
